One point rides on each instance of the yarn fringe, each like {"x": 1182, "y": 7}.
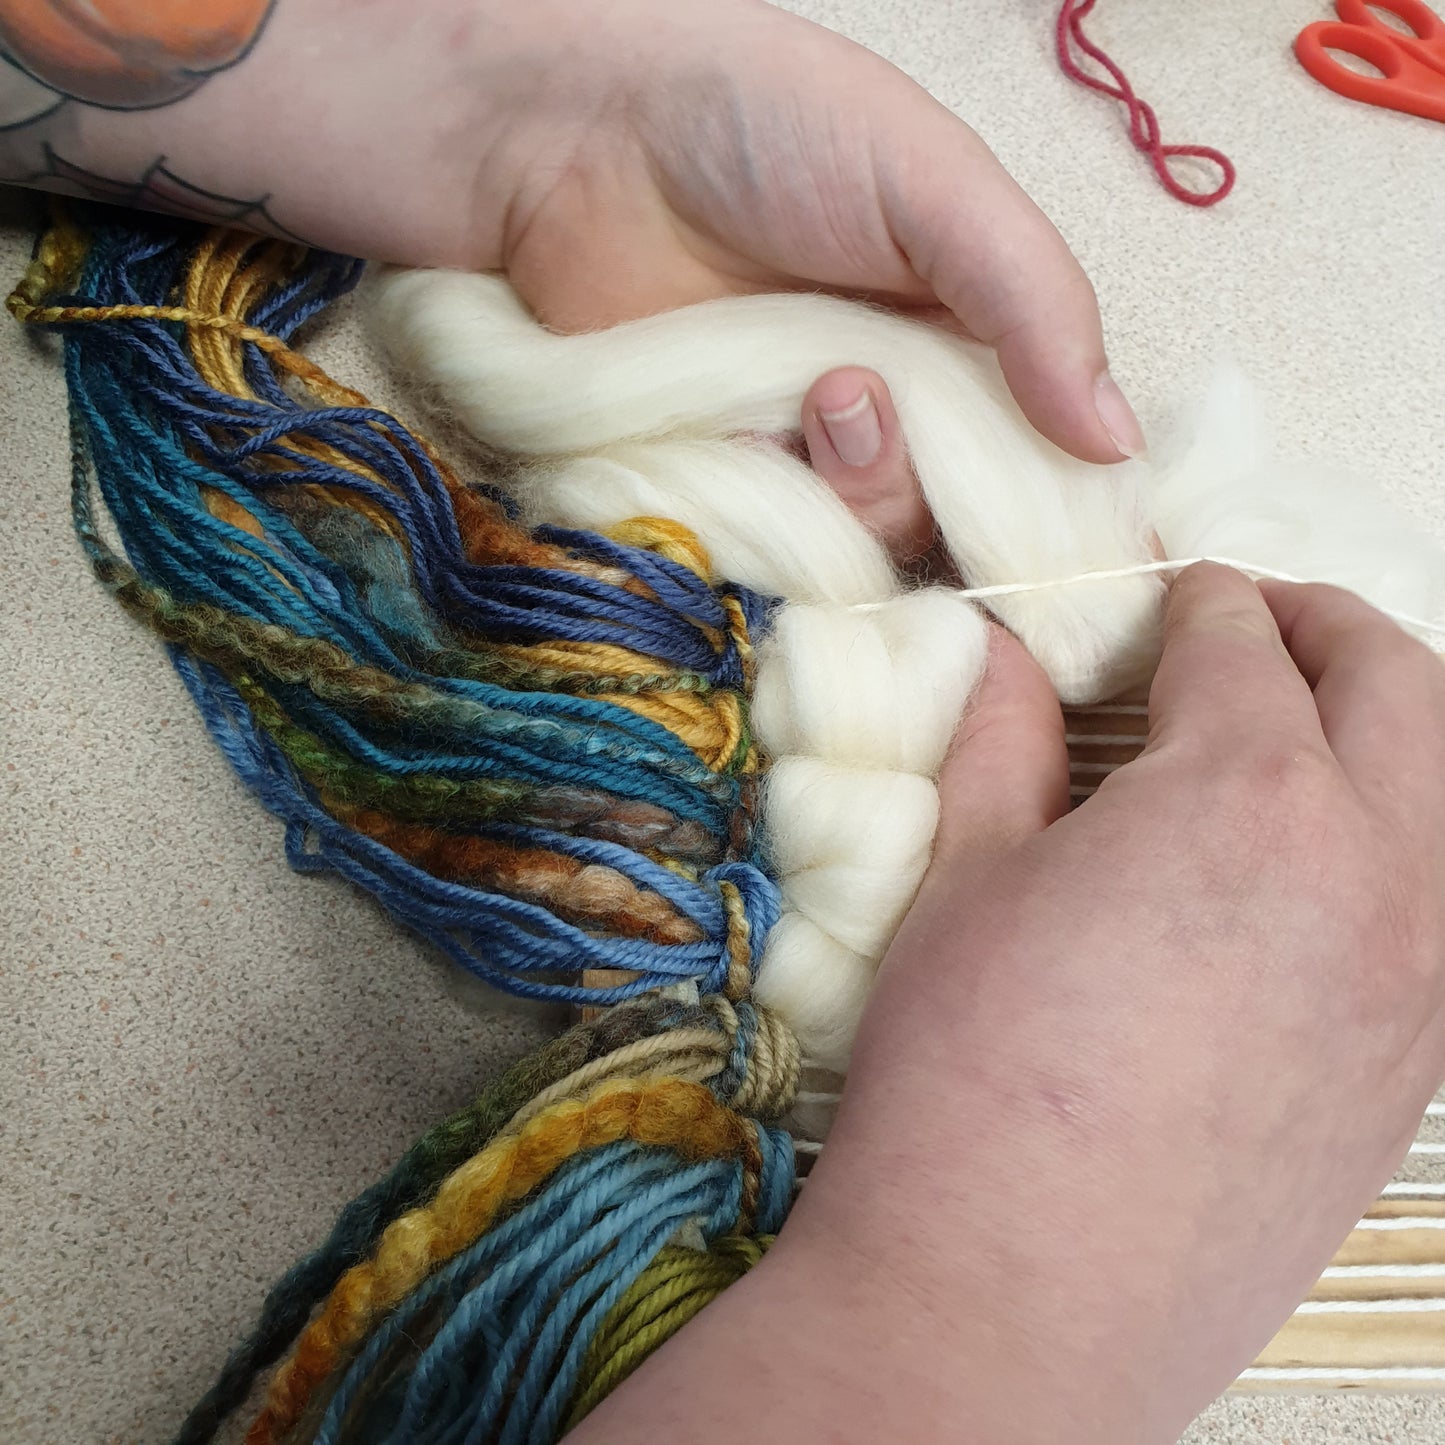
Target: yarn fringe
{"x": 532, "y": 747}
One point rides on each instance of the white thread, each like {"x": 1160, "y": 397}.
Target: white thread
{"x": 1397, "y": 1306}
{"x": 1414, "y": 1191}
{"x": 1435, "y": 1111}
{"x": 1326, "y": 1372}
{"x": 1419, "y": 1147}
{"x": 1145, "y": 569}
{"x": 1404, "y": 1221}
{"x": 1384, "y": 1271}
{"x": 805, "y": 1096}
{"x": 807, "y": 1146}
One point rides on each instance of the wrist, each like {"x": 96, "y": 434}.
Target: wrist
{"x": 948, "y": 1356}
{"x": 984, "y": 1213}
{"x": 357, "y": 126}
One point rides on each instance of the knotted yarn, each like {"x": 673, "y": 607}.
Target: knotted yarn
{"x": 1144, "y": 130}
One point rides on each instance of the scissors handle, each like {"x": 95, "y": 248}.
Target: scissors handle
{"x": 1424, "y": 24}
{"x": 1408, "y": 81}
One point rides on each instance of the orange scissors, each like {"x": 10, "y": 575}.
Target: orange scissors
{"x": 1411, "y": 65}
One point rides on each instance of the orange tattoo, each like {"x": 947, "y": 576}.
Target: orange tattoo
{"x": 121, "y": 54}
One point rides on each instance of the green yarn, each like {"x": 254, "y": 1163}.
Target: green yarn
{"x": 677, "y": 1285}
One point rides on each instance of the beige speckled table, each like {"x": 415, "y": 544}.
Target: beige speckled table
{"x": 206, "y": 1055}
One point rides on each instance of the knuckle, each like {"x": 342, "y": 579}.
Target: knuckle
{"x": 1281, "y": 775}
{"x": 1399, "y": 649}
{"x": 1281, "y": 806}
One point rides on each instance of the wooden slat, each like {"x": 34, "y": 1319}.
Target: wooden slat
{"x": 600, "y": 978}
{"x": 1381, "y": 1286}
{"x": 1383, "y": 1343}
{"x": 1359, "y": 1341}
{"x": 1393, "y": 1246}
{"x": 1100, "y": 740}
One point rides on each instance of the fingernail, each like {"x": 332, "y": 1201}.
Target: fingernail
{"x": 855, "y": 432}
{"x": 1118, "y": 417}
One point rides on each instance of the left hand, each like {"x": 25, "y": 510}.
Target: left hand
{"x": 669, "y": 153}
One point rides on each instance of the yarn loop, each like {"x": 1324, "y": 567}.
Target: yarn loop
{"x": 1143, "y": 122}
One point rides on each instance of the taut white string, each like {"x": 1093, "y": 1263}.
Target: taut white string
{"x": 1396, "y": 1305}
{"x": 1174, "y": 564}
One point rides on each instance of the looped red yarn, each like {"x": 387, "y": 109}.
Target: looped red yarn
{"x": 1143, "y": 123}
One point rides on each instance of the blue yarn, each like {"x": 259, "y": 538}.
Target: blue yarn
{"x": 729, "y": 1079}
{"x": 500, "y": 939}
{"x": 577, "y": 757}
{"x": 192, "y": 413}
{"x": 524, "y": 1302}
{"x": 775, "y": 1194}
{"x": 313, "y": 603}
{"x": 159, "y": 442}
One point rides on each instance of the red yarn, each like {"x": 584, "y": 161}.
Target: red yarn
{"x": 1143, "y": 123}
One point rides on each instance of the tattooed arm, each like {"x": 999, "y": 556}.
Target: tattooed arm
{"x": 343, "y": 122}
{"x": 614, "y": 157}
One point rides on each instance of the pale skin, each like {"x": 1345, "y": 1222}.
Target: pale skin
{"x": 1090, "y": 1157}
{"x": 1130, "y": 1075}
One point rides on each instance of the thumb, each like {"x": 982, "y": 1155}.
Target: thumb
{"x": 856, "y": 445}
{"x": 1007, "y": 774}
{"x": 992, "y": 257}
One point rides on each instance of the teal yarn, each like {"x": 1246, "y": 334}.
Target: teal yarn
{"x": 532, "y": 748}
{"x": 415, "y": 1177}
{"x": 334, "y": 653}
{"x": 487, "y": 1316}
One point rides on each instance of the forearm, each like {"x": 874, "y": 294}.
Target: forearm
{"x": 823, "y": 1344}
{"x": 362, "y": 127}
{"x": 963, "y": 1265}
{"x": 997, "y": 1246}
{"x": 807, "y": 1348}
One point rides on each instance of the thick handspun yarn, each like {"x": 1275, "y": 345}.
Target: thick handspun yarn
{"x": 660, "y": 735}
{"x": 533, "y": 748}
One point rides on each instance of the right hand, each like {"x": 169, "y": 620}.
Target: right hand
{"x": 1129, "y": 1079}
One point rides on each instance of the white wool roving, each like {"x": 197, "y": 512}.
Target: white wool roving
{"x": 856, "y": 707}
{"x": 1010, "y": 506}
{"x": 770, "y": 525}
{"x": 863, "y": 677}
{"x": 1221, "y": 492}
